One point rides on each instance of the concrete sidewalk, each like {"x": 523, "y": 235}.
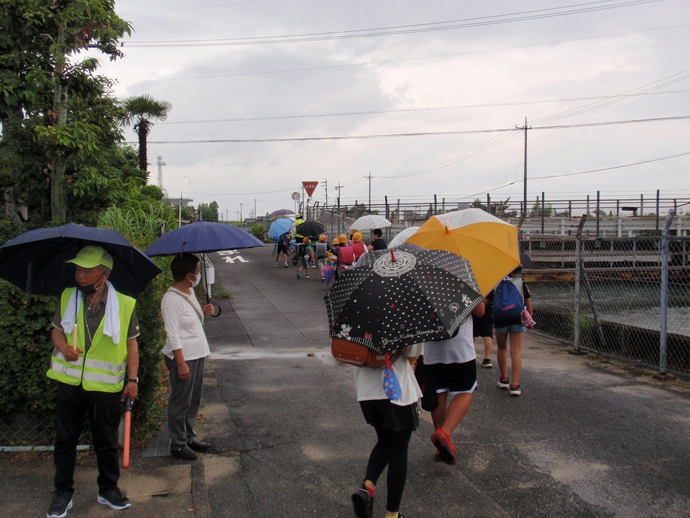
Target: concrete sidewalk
{"x": 588, "y": 437}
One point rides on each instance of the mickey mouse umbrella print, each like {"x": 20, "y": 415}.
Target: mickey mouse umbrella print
{"x": 396, "y": 298}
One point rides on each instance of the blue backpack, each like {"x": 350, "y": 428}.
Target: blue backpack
{"x": 508, "y": 302}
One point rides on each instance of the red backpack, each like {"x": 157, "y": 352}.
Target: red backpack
{"x": 346, "y": 255}
{"x": 359, "y": 249}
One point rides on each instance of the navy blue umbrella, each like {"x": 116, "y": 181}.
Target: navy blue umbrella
{"x": 35, "y": 260}
{"x": 202, "y": 237}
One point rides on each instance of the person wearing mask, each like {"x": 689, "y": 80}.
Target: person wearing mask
{"x": 95, "y": 363}
{"x": 185, "y": 352}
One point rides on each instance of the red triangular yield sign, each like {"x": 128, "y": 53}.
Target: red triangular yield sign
{"x": 310, "y": 187}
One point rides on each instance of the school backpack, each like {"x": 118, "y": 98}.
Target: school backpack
{"x": 321, "y": 250}
{"x": 346, "y": 255}
{"x": 358, "y": 355}
{"x": 359, "y": 249}
{"x": 508, "y": 301}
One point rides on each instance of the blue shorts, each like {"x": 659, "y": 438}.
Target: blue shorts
{"x": 515, "y": 328}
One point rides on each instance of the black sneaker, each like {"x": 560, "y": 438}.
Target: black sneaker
{"x": 113, "y": 498}
{"x": 515, "y": 390}
{"x": 487, "y": 363}
{"x": 363, "y": 503}
{"x": 503, "y": 383}
{"x": 62, "y": 502}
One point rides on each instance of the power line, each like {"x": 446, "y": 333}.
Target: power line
{"x": 521, "y": 16}
{"x": 417, "y": 110}
{"x": 338, "y": 187}
{"x": 413, "y": 134}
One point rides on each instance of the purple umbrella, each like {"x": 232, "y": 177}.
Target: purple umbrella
{"x": 282, "y": 212}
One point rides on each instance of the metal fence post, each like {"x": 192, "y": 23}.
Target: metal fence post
{"x": 578, "y": 276}
{"x": 578, "y": 269}
{"x": 663, "y": 346}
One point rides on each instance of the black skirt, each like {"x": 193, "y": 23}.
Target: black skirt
{"x": 382, "y": 413}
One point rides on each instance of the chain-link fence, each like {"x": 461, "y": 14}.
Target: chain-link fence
{"x": 622, "y": 297}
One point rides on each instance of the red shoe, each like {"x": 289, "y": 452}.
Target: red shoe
{"x": 446, "y": 450}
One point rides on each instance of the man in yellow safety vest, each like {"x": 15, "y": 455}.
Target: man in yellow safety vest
{"x": 95, "y": 362}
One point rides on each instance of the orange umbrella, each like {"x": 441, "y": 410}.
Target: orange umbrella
{"x": 487, "y": 242}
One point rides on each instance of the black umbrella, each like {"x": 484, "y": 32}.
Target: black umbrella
{"x": 35, "y": 260}
{"x": 396, "y": 298}
{"x": 310, "y": 229}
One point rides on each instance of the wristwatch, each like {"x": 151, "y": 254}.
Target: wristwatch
{"x": 133, "y": 380}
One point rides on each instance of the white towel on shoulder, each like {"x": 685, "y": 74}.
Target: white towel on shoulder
{"x": 111, "y": 326}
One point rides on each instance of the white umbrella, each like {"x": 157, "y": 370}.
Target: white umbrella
{"x": 402, "y": 236}
{"x": 369, "y": 222}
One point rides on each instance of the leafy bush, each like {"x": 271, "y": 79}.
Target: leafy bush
{"x": 259, "y": 231}
{"x": 25, "y": 328}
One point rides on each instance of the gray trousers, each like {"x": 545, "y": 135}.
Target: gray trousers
{"x": 185, "y": 398}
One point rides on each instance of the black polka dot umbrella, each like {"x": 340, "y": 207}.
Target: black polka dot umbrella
{"x": 396, "y": 298}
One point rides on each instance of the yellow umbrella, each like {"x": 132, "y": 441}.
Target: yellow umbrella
{"x": 487, "y": 242}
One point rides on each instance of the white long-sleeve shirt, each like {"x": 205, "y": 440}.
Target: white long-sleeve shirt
{"x": 183, "y": 325}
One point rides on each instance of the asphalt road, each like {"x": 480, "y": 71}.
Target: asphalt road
{"x": 584, "y": 439}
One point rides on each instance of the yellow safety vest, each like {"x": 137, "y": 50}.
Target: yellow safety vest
{"x": 104, "y": 366}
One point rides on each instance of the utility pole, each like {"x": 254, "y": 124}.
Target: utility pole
{"x": 337, "y": 188}
{"x": 254, "y": 207}
{"x": 241, "y": 212}
{"x": 325, "y": 188}
{"x": 524, "y": 180}
{"x": 369, "y": 177}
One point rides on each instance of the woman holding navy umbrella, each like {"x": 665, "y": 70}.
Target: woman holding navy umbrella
{"x": 185, "y": 351}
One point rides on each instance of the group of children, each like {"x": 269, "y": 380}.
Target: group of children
{"x": 342, "y": 253}
{"x": 450, "y": 370}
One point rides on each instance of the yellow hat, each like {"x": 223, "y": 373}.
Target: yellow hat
{"x": 92, "y": 256}
{"x": 357, "y": 237}
{"x": 322, "y": 238}
{"x": 342, "y": 239}
{"x": 335, "y": 242}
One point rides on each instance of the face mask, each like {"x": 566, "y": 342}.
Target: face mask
{"x": 196, "y": 280}
{"x": 90, "y": 288}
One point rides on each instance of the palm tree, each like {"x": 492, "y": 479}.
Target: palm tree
{"x": 141, "y": 111}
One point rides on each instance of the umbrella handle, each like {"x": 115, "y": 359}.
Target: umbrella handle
{"x": 74, "y": 337}
{"x": 220, "y": 310}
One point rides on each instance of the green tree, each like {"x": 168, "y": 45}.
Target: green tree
{"x": 498, "y": 208}
{"x": 141, "y": 111}
{"x": 537, "y": 211}
{"x": 357, "y": 210}
{"x": 42, "y": 83}
{"x": 208, "y": 211}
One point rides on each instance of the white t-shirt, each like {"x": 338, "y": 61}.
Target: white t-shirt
{"x": 369, "y": 381}
{"x": 459, "y": 349}
{"x": 183, "y": 327}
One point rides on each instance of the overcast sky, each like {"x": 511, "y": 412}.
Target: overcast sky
{"x": 415, "y": 94}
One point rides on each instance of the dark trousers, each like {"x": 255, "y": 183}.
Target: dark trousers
{"x": 184, "y": 402}
{"x": 391, "y": 451}
{"x": 104, "y": 411}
